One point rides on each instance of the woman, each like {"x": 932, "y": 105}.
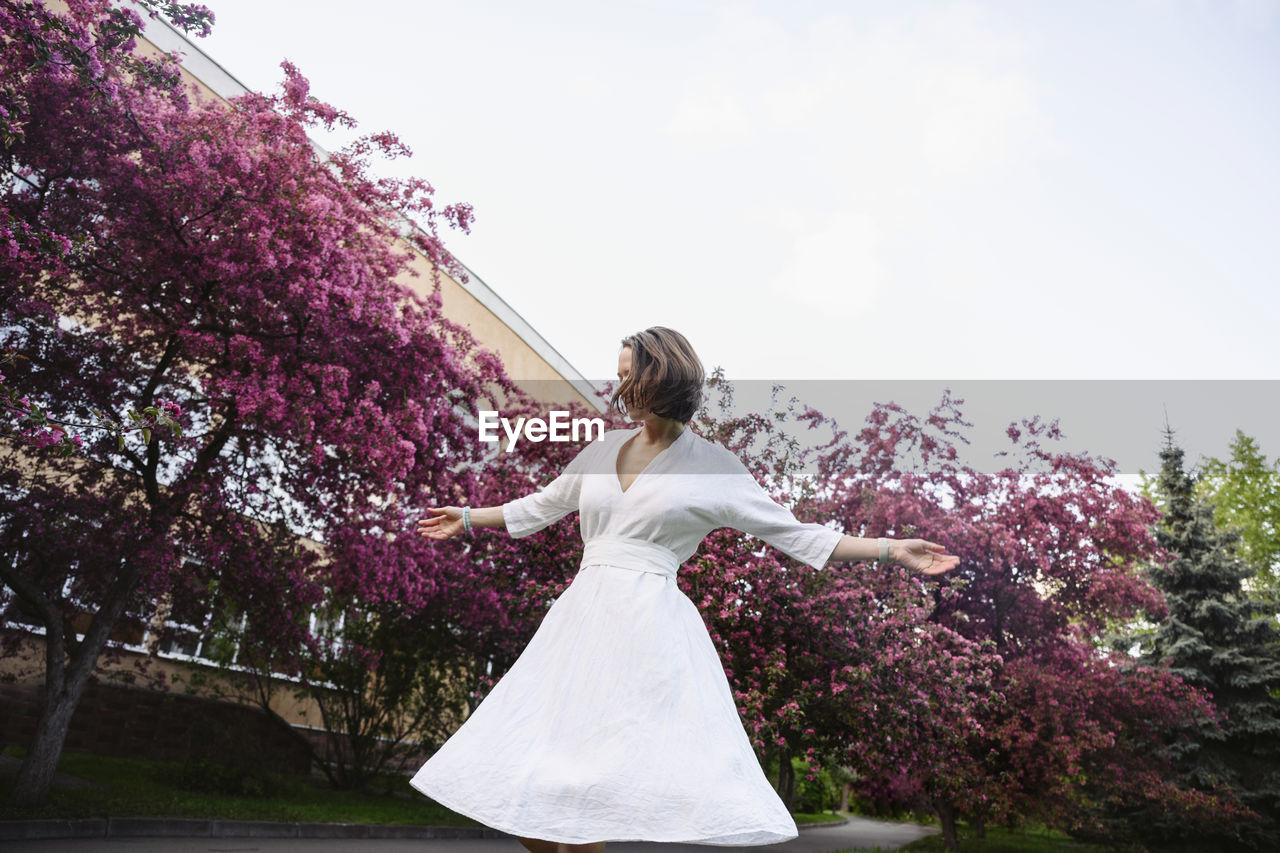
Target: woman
{"x": 617, "y": 721}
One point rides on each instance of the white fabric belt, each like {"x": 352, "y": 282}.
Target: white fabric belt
{"x": 625, "y": 552}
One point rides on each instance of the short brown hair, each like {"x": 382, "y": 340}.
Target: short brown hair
{"x": 666, "y": 376}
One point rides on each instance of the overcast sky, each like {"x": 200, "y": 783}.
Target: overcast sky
{"x": 837, "y": 190}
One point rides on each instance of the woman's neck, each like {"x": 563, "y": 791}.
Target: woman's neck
{"x": 661, "y": 431}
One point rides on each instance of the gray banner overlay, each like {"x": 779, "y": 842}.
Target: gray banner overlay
{"x": 1123, "y": 420}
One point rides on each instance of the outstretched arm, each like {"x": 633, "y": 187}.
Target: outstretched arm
{"x": 747, "y": 507}
{"x": 520, "y": 517}
{"x": 446, "y": 521}
{"x": 926, "y": 557}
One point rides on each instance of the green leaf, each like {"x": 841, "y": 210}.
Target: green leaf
{"x": 146, "y": 436}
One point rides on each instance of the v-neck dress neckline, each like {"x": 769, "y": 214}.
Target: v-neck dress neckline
{"x": 617, "y": 475}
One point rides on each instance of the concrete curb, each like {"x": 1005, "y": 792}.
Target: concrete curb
{"x": 162, "y": 827}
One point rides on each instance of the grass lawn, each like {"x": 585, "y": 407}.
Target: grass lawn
{"x": 801, "y": 818}
{"x": 135, "y": 788}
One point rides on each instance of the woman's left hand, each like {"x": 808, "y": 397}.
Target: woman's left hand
{"x": 924, "y": 556}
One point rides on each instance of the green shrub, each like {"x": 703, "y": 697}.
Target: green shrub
{"x": 817, "y": 795}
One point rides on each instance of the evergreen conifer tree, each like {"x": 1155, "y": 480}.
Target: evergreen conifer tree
{"x": 1217, "y": 637}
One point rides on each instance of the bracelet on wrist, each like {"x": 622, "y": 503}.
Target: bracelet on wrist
{"x": 466, "y": 519}
{"x": 884, "y": 550}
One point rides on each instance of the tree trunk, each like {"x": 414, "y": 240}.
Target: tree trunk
{"x": 786, "y": 778}
{"x": 67, "y": 666}
{"x": 845, "y": 790}
{"x": 35, "y": 777}
{"x": 979, "y": 826}
{"x": 63, "y": 689}
{"x": 947, "y": 817}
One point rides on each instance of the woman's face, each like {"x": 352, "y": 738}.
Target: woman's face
{"x": 624, "y": 368}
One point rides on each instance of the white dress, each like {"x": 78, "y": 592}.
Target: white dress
{"x": 617, "y": 723}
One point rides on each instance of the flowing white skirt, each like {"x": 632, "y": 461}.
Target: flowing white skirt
{"x": 616, "y": 723}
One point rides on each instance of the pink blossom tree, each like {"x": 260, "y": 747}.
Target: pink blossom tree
{"x": 1050, "y": 555}
{"x": 155, "y": 246}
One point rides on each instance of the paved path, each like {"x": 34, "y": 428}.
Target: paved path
{"x": 858, "y": 833}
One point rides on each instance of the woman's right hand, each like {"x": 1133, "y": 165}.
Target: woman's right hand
{"x": 445, "y": 523}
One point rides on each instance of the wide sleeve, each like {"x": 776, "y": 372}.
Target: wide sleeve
{"x": 746, "y": 506}
{"x": 529, "y": 514}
